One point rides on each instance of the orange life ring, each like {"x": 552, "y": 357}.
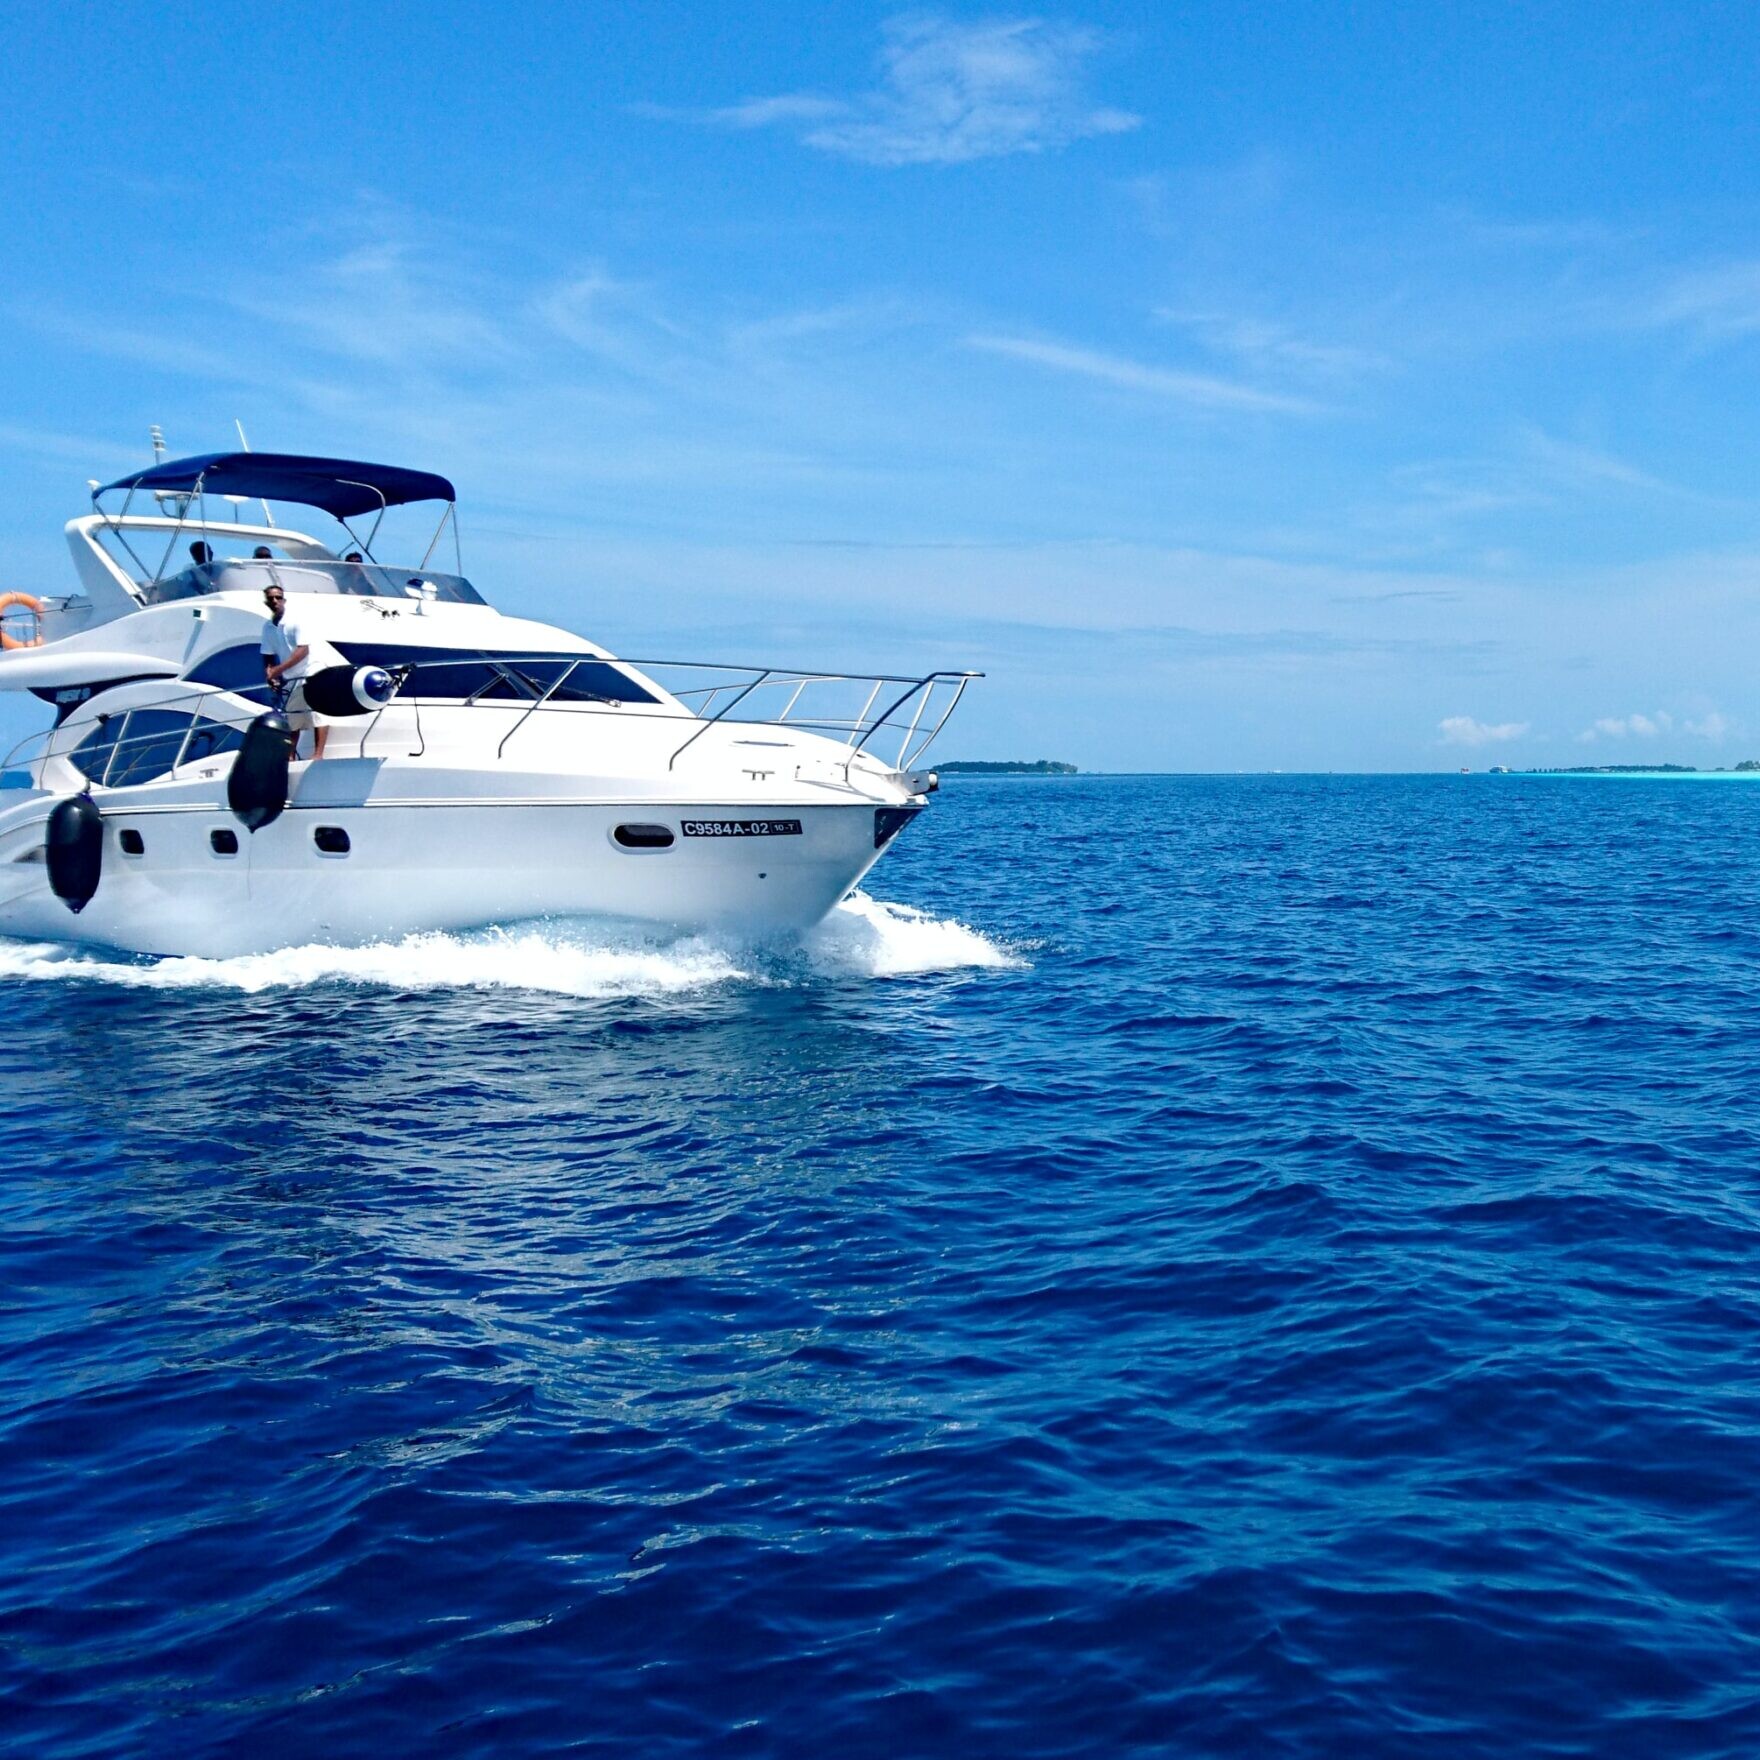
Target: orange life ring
{"x": 35, "y": 606}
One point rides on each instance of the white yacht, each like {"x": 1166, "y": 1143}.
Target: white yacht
{"x": 479, "y": 768}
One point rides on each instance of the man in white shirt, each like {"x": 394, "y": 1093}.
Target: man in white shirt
{"x": 286, "y": 660}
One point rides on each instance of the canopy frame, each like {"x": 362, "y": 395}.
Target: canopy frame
{"x": 342, "y": 488}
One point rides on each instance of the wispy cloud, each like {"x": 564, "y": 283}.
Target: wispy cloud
{"x": 860, "y": 321}
{"x": 55, "y": 447}
{"x": 765, "y": 112}
{"x": 1628, "y": 727}
{"x": 1463, "y": 730}
{"x": 1202, "y": 390}
{"x": 1546, "y": 235}
{"x": 947, "y": 92}
{"x": 158, "y": 350}
{"x": 380, "y": 302}
{"x": 1570, "y": 462}
{"x": 1445, "y": 595}
{"x": 1274, "y": 347}
{"x": 1711, "y": 726}
{"x": 1720, "y": 302}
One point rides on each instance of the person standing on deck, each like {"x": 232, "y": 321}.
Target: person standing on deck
{"x": 286, "y": 659}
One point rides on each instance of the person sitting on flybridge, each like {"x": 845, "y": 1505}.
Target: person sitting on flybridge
{"x": 286, "y": 660}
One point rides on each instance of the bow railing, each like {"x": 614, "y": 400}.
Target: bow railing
{"x": 892, "y": 718}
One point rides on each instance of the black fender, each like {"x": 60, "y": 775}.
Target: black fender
{"x": 73, "y": 848}
{"x": 256, "y": 791}
{"x": 339, "y": 691}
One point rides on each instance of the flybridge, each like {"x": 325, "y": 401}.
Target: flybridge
{"x": 198, "y": 505}
{"x": 343, "y": 488}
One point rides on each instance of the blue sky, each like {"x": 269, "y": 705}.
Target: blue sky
{"x": 1299, "y": 387}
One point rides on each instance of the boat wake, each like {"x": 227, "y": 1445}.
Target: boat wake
{"x": 862, "y": 938}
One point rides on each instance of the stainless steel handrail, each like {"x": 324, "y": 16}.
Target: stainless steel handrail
{"x": 236, "y": 707}
{"x": 714, "y": 720}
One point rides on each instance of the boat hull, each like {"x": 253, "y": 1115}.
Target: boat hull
{"x": 407, "y": 868}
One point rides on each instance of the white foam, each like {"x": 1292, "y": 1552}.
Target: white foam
{"x": 559, "y": 961}
{"x": 862, "y": 938}
{"x": 876, "y": 940}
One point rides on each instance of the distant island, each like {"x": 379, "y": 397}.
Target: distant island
{"x": 1013, "y": 767}
{"x": 1747, "y": 767}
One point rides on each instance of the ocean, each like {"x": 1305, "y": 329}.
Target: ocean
{"x": 1178, "y": 1266}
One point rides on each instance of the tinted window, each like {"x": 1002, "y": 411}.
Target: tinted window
{"x": 93, "y": 752}
{"x": 193, "y": 582}
{"x": 455, "y": 674}
{"x": 133, "y": 844}
{"x": 331, "y": 839}
{"x": 223, "y": 843}
{"x": 149, "y": 746}
{"x": 211, "y": 738}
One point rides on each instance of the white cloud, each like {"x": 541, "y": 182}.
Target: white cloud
{"x": 1585, "y": 464}
{"x": 762, "y": 112}
{"x": 1631, "y": 726}
{"x": 1463, "y": 730}
{"x": 948, "y": 92}
{"x": 1273, "y": 346}
{"x": 1711, "y": 726}
{"x": 1721, "y": 303}
{"x": 381, "y": 302}
{"x": 1202, "y": 389}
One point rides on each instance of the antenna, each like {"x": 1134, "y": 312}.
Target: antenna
{"x": 244, "y": 446}
{"x": 158, "y": 435}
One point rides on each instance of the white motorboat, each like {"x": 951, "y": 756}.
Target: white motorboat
{"x": 479, "y": 768}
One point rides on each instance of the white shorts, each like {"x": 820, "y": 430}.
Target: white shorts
{"x": 299, "y": 717}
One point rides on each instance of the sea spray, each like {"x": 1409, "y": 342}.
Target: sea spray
{"x": 862, "y": 938}
{"x": 872, "y": 939}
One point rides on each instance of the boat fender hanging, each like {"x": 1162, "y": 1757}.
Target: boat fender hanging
{"x": 349, "y": 690}
{"x": 256, "y": 791}
{"x": 74, "y": 850}
{"x": 32, "y": 605}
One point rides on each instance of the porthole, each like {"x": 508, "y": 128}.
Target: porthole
{"x": 331, "y": 840}
{"x": 223, "y": 842}
{"x": 643, "y": 836}
{"x": 132, "y": 843}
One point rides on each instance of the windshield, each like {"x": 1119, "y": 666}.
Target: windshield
{"x": 308, "y": 575}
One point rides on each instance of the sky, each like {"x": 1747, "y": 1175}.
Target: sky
{"x": 1300, "y": 387}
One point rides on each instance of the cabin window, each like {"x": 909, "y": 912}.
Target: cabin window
{"x": 141, "y": 744}
{"x": 150, "y": 742}
{"x": 474, "y": 675}
{"x": 331, "y": 840}
{"x": 643, "y": 836}
{"x": 212, "y": 738}
{"x": 92, "y": 754}
{"x": 132, "y": 843}
{"x": 223, "y": 842}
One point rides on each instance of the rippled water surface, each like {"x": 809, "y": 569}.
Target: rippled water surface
{"x": 1260, "y": 1265}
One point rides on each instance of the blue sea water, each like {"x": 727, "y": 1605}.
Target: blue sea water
{"x": 1257, "y": 1265}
